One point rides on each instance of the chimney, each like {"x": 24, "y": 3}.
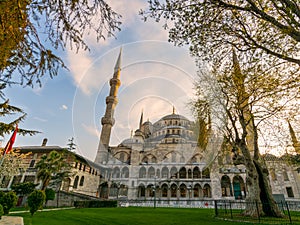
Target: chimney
{"x": 44, "y": 142}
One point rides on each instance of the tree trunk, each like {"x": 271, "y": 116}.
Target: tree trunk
{"x": 270, "y": 207}
{"x": 253, "y": 202}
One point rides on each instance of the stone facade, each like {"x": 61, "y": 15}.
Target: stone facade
{"x": 85, "y": 174}
{"x": 163, "y": 160}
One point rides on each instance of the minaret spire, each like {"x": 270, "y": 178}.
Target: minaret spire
{"x": 141, "y": 120}
{"x": 108, "y": 120}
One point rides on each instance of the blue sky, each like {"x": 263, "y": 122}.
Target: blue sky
{"x": 155, "y": 77}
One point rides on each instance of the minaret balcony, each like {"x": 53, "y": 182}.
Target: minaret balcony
{"x": 111, "y": 99}
{"x": 110, "y": 121}
{"x": 115, "y": 82}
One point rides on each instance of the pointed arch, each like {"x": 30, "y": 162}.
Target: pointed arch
{"x": 116, "y": 172}
{"x": 142, "y": 190}
{"x": 196, "y": 172}
{"x": 238, "y": 187}
{"x": 226, "y": 186}
{"x": 151, "y": 172}
{"x": 174, "y": 191}
{"x": 173, "y": 172}
{"x": 207, "y": 191}
{"x": 75, "y": 184}
{"x": 183, "y": 190}
{"x": 182, "y": 172}
{"x": 142, "y": 172}
{"x": 198, "y": 193}
{"x": 125, "y": 172}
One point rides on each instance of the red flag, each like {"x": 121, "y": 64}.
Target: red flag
{"x": 11, "y": 141}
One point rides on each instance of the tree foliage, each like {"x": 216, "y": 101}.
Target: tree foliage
{"x": 8, "y": 200}
{"x": 36, "y": 200}
{"x": 24, "y": 189}
{"x": 27, "y": 25}
{"x": 53, "y": 168}
{"x": 212, "y": 27}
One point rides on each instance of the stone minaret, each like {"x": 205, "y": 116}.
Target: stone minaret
{"x": 108, "y": 120}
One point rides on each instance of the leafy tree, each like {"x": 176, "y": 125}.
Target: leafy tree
{"x": 36, "y": 200}
{"x": 24, "y": 189}
{"x": 53, "y": 168}
{"x": 8, "y": 200}
{"x": 240, "y": 103}
{"x": 25, "y": 24}
{"x": 212, "y": 27}
{"x": 50, "y": 194}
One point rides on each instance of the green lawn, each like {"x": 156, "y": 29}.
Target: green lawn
{"x": 125, "y": 216}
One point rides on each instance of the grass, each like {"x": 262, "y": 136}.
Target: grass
{"x": 125, "y": 216}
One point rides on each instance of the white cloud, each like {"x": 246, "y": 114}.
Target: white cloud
{"x": 39, "y": 119}
{"x": 91, "y": 129}
{"x": 63, "y": 107}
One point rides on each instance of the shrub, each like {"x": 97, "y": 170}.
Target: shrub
{"x": 36, "y": 200}
{"x": 8, "y": 200}
{"x": 1, "y": 211}
{"x": 95, "y": 204}
{"x": 50, "y": 194}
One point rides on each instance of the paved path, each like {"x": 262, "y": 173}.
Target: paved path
{"x": 11, "y": 220}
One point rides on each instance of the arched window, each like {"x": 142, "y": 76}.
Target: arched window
{"x": 173, "y": 172}
{"x": 81, "y": 181}
{"x": 116, "y": 172}
{"x": 153, "y": 159}
{"x": 125, "y": 172}
{"x": 196, "y": 173}
{"x": 238, "y": 187}
{"x": 207, "y": 191}
{"x": 198, "y": 191}
{"x": 75, "y": 185}
{"x": 164, "y": 190}
{"x": 173, "y": 191}
{"x": 151, "y": 172}
{"x": 142, "y": 173}
{"x": 226, "y": 186}
{"x": 182, "y": 173}
{"x": 145, "y": 159}
{"x": 142, "y": 191}
{"x": 183, "y": 190}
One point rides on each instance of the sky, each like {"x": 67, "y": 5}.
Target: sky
{"x": 155, "y": 76}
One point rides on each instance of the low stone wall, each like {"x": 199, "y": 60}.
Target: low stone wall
{"x": 63, "y": 198}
